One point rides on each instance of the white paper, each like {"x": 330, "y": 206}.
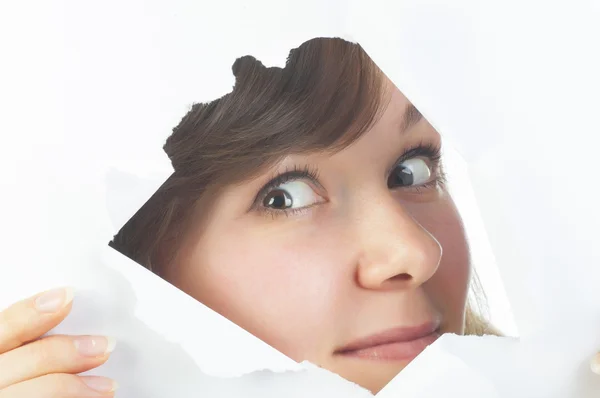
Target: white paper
{"x": 90, "y": 92}
{"x": 527, "y": 80}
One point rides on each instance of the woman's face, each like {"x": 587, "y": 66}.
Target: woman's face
{"x": 361, "y": 243}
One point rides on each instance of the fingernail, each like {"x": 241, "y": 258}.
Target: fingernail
{"x": 596, "y": 364}
{"x": 94, "y": 346}
{"x": 54, "y": 300}
{"x": 100, "y": 384}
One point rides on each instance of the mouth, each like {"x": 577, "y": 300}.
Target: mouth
{"x": 398, "y": 344}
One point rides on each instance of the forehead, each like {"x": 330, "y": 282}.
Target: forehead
{"x": 398, "y": 111}
{"x": 391, "y": 128}
{"x": 396, "y": 123}
{"x": 394, "y": 126}
{"x": 398, "y": 116}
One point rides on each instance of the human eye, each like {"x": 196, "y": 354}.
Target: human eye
{"x": 289, "y": 192}
{"x": 418, "y": 167}
{"x": 291, "y": 195}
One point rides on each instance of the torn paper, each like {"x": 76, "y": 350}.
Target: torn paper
{"x": 516, "y": 125}
{"x": 455, "y": 62}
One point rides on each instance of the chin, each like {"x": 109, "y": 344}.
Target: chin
{"x": 383, "y": 375}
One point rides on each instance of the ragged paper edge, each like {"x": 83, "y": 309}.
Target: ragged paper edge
{"x": 437, "y": 369}
{"x": 217, "y": 356}
{"x": 129, "y": 185}
{"x": 135, "y": 203}
{"x": 140, "y": 297}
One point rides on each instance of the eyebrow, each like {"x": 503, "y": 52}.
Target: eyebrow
{"x": 411, "y": 117}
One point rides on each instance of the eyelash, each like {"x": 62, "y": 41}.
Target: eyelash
{"x": 427, "y": 150}
{"x": 296, "y": 173}
{"x": 433, "y": 153}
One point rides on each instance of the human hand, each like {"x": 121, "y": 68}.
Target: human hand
{"x": 596, "y": 364}
{"x": 47, "y": 367}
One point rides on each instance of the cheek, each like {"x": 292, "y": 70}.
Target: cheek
{"x": 277, "y": 283}
{"x": 448, "y": 288}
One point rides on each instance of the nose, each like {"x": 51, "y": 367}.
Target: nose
{"x": 395, "y": 250}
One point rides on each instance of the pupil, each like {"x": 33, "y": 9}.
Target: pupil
{"x": 278, "y": 200}
{"x": 401, "y": 176}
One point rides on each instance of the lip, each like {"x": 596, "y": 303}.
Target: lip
{"x": 398, "y": 344}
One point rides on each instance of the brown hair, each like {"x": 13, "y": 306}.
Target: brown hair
{"x": 328, "y": 94}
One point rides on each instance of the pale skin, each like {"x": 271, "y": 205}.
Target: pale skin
{"x": 365, "y": 258}
{"x": 354, "y": 255}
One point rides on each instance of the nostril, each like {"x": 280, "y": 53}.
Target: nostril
{"x": 401, "y": 277}
{"x": 397, "y": 280}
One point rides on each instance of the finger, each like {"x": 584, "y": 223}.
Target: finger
{"x": 29, "y": 319}
{"x": 54, "y": 354}
{"x": 596, "y": 364}
{"x": 61, "y": 386}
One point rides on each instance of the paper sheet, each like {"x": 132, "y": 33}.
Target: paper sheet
{"x": 514, "y": 91}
